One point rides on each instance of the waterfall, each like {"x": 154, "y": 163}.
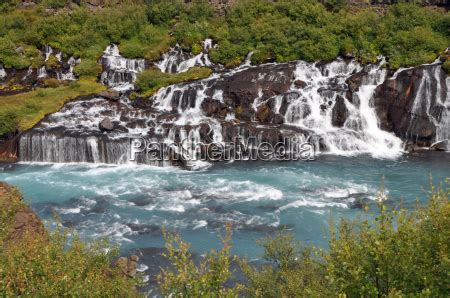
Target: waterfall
{"x": 2, "y": 72}
{"x": 311, "y": 107}
{"x": 28, "y": 74}
{"x": 47, "y": 52}
{"x": 119, "y": 72}
{"x": 67, "y": 74}
{"x": 429, "y": 103}
{"x": 176, "y": 60}
{"x": 42, "y": 72}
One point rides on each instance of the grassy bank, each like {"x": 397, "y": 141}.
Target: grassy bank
{"x": 22, "y": 111}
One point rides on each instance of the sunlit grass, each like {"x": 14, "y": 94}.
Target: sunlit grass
{"x": 29, "y": 108}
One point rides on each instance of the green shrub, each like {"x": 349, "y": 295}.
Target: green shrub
{"x": 398, "y": 252}
{"x": 282, "y": 30}
{"x": 394, "y": 252}
{"x": 41, "y": 267}
{"x": 132, "y": 49}
{"x": 8, "y": 122}
{"x": 88, "y": 67}
{"x": 52, "y": 265}
{"x": 149, "y": 81}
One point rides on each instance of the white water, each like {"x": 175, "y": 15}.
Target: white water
{"x": 311, "y": 108}
{"x": 119, "y": 72}
{"x": 2, "y": 72}
{"x": 176, "y": 61}
{"x": 428, "y": 97}
{"x": 180, "y": 114}
{"x": 42, "y": 72}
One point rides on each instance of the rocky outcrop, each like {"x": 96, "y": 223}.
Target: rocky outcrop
{"x": 53, "y": 71}
{"x": 340, "y": 112}
{"x": 413, "y": 105}
{"x": 23, "y": 221}
{"x": 128, "y": 266}
{"x": 106, "y": 125}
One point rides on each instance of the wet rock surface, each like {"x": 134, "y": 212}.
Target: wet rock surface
{"x": 337, "y": 107}
{"x": 413, "y": 105}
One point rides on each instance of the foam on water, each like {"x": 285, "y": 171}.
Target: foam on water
{"x": 131, "y": 204}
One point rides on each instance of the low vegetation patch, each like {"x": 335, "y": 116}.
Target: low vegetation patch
{"x": 51, "y": 265}
{"x": 153, "y": 79}
{"x": 22, "y": 111}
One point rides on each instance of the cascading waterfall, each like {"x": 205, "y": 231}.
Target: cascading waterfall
{"x": 316, "y": 106}
{"x": 64, "y": 73}
{"x": 119, "y": 72}
{"x": 311, "y": 107}
{"x": 176, "y": 60}
{"x": 42, "y": 72}
{"x": 428, "y": 103}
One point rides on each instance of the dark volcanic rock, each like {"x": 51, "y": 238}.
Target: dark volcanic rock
{"x": 340, "y": 112}
{"x": 356, "y": 80}
{"x": 300, "y": 84}
{"x": 410, "y": 104}
{"x": 243, "y": 87}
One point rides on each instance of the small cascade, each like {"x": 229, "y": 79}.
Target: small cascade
{"x": 42, "y": 72}
{"x": 65, "y": 71}
{"x": 66, "y": 74}
{"x": 431, "y": 103}
{"x": 177, "y": 60}
{"x": 322, "y": 95}
{"x": 2, "y": 72}
{"x": 119, "y": 72}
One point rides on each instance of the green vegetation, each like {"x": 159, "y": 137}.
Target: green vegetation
{"x": 51, "y": 265}
{"x": 446, "y": 66}
{"x": 283, "y": 30}
{"x": 393, "y": 252}
{"x": 149, "y": 81}
{"x": 21, "y": 111}
{"x": 189, "y": 280}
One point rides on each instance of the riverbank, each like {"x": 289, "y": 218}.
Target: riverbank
{"x": 36, "y": 262}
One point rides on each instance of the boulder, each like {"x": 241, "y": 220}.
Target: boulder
{"x": 300, "y": 84}
{"x": 241, "y": 89}
{"x": 339, "y": 113}
{"x": 128, "y": 266}
{"x": 110, "y": 94}
{"x": 263, "y": 114}
{"x": 106, "y": 125}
